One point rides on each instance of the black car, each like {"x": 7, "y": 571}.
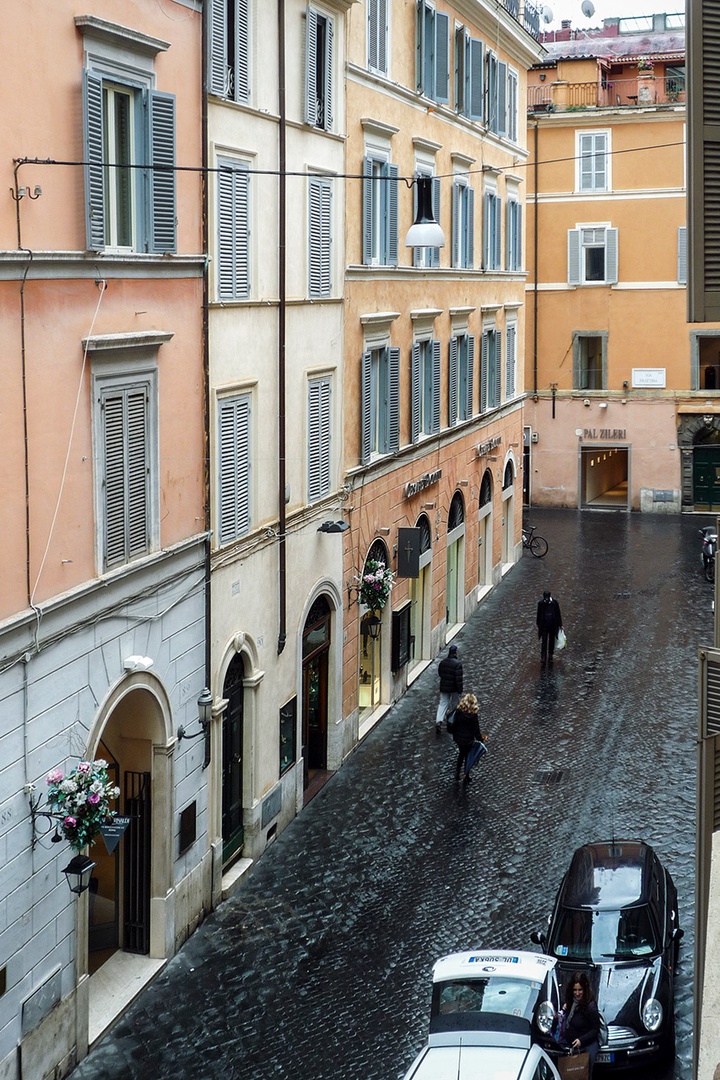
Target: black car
{"x": 616, "y": 919}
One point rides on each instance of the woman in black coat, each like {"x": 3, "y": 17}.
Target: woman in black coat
{"x": 580, "y": 1017}
{"x": 465, "y": 732}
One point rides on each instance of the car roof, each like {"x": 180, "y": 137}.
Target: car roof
{"x": 609, "y": 875}
{"x": 488, "y": 962}
{"x": 467, "y": 1063}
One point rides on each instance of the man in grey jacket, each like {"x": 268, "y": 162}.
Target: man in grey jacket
{"x": 450, "y": 671}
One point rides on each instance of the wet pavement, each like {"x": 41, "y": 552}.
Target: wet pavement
{"x": 320, "y": 966}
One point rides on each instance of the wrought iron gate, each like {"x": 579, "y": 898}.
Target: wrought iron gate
{"x": 136, "y": 886}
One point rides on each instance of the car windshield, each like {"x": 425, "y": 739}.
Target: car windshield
{"x": 626, "y": 934}
{"x": 507, "y": 997}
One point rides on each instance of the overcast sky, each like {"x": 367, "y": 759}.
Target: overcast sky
{"x": 606, "y": 9}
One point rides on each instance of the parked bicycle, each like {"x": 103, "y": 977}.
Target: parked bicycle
{"x": 538, "y": 544}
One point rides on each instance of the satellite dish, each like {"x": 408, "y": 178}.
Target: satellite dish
{"x": 547, "y": 15}
{"x": 588, "y": 8}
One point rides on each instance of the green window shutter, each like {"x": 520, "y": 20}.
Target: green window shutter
{"x": 435, "y": 387}
{"x": 234, "y": 468}
{"x": 366, "y": 419}
{"x": 394, "y": 425}
{"x": 442, "y": 57}
{"x": 318, "y": 439}
{"x": 311, "y": 21}
{"x": 682, "y": 255}
{"x": 574, "y": 257}
{"x": 94, "y": 152}
{"x": 163, "y": 213}
{"x": 453, "y": 383}
{"x": 476, "y": 83}
{"x": 611, "y": 256}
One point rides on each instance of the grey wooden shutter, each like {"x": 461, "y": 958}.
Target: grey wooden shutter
{"x": 453, "y": 383}
{"x": 163, "y": 216}
{"x": 311, "y": 19}
{"x": 512, "y": 105}
{"x": 218, "y": 74}
{"x": 586, "y": 161}
{"x": 435, "y": 251}
{"x": 415, "y": 393}
{"x": 420, "y": 46}
{"x": 319, "y": 238}
{"x": 234, "y": 468}
{"x": 435, "y": 387}
{"x": 497, "y": 244}
{"x": 470, "y": 228}
{"x": 611, "y": 256}
{"x": 382, "y": 33}
{"x": 487, "y": 232}
{"x": 470, "y": 374}
{"x": 114, "y": 479}
{"x": 498, "y": 368}
{"x": 366, "y": 418}
{"x": 704, "y": 157}
{"x": 368, "y": 197}
{"x": 462, "y": 72}
{"x": 242, "y": 50}
{"x": 442, "y": 57}
{"x": 491, "y": 90}
{"x": 318, "y": 438}
{"x": 126, "y": 479}
{"x": 328, "y": 80}
{"x": 475, "y": 110}
{"x": 94, "y": 152}
{"x": 233, "y": 232}
{"x": 456, "y": 196}
{"x": 394, "y": 364}
{"x": 682, "y": 255}
{"x": 137, "y": 472}
{"x": 391, "y": 257}
{"x": 373, "y": 35}
{"x": 484, "y": 359}
{"x": 574, "y": 256}
{"x": 502, "y": 98}
{"x": 510, "y": 362}
{"x": 418, "y": 253}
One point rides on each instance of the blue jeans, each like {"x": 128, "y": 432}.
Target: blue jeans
{"x": 447, "y": 703}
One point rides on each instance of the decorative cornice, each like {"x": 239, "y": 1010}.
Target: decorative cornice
{"x": 120, "y": 36}
{"x": 139, "y": 339}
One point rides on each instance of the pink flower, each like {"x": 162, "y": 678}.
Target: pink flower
{"x": 94, "y": 799}
{"x": 84, "y": 767}
{"x": 70, "y": 822}
{"x": 55, "y": 776}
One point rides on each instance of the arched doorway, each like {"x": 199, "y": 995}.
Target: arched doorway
{"x": 420, "y": 595}
{"x": 508, "y": 499}
{"x": 370, "y": 643}
{"x": 455, "y": 563}
{"x": 315, "y": 659}
{"x": 699, "y": 441}
{"x": 233, "y": 835}
{"x": 485, "y": 531}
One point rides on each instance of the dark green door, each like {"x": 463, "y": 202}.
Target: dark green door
{"x": 232, "y": 765}
{"x": 706, "y": 477}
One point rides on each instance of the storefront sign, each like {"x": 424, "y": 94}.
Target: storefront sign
{"x": 416, "y": 486}
{"x": 113, "y": 830}
{"x": 604, "y": 433}
{"x": 648, "y": 376}
{"x": 485, "y": 447}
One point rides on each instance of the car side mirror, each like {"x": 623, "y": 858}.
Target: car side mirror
{"x": 537, "y": 937}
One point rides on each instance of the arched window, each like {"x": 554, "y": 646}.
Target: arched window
{"x": 509, "y": 476}
{"x": 457, "y": 512}
{"x": 486, "y": 489}
{"x": 423, "y": 524}
{"x": 378, "y": 552}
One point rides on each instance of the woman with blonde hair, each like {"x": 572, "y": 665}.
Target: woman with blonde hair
{"x": 466, "y": 732}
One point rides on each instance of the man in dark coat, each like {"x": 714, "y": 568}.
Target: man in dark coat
{"x": 450, "y": 671}
{"x": 549, "y": 621}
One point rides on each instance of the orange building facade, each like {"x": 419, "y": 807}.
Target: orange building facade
{"x": 621, "y": 408}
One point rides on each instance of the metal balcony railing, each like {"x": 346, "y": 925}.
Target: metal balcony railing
{"x": 526, "y": 14}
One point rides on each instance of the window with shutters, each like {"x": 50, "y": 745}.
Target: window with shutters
{"x": 125, "y": 421}
{"x": 380, "y": 402}
{"x": 129, "y": 207}
{"x": 378, "y": 35}
{"x": 380, "y": 212}
{"x": 510, "y": 361}
{"x": 319, "y": 237}
{"x": 320, "y": 32}
{"x": 460, "y": 381}
{"x": 425, "y": 257}
{"x": 590, "y": 360}
{"x": 490, "y": 369}
{"x": 492, "y": 230}
{"x": 496, "y": 90}
{"x": 463, "y": 224}
{"x": 469, "y": 75}
{"x": 682, "y": 255}
{"x": 425, "y": 388}
{"x": 229, "y": 73}
{"x": 234, "y": 465}
{"x": 233, "y": 225}
{"x": 592, "y": 255}
{"x": 593, "y": 160}
{"x": 319, "y": 430}
{"x": 513, "y": 233}
{"x": 512, "y": 105}
{"x": 433, "y": 51}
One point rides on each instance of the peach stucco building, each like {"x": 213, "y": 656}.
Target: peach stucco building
{"x": 102, "y": 584}
{"x": 621, "y": 408}
{"x": 433, "y": 381}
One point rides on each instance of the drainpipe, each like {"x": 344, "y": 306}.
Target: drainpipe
{"x": 535, "y": 270}
{"x": 205, "y": 333}
{"x": 282, "y": 214}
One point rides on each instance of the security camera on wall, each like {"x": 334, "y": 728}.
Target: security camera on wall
{"x": 588, "y": 9}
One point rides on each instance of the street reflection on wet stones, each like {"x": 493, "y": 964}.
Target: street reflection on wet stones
{"x": 320, "y": 966}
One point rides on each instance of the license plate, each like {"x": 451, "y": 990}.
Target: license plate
{"x": 606, "y": 1058}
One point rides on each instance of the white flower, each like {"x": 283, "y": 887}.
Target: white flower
{"x": 68, "y": 787}
{"x": 100, "y": 763}
{"x": 80, "y": 799}
{"x": 97, "y": 787}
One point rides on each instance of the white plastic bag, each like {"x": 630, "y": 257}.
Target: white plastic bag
{"x": 561, "y": 641}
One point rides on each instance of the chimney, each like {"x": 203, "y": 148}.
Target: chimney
{"x": 566, "y": 24}
{"x": 659, "y": 23}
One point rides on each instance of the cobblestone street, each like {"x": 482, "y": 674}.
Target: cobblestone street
{"x": 320, "y": 966}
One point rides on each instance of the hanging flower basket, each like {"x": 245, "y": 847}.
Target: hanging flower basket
{"x": 375, "y": 584}
{"x": 82, "y": 800}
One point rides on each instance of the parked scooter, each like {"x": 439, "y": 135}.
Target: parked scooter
{"x": 709, "y": 547}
